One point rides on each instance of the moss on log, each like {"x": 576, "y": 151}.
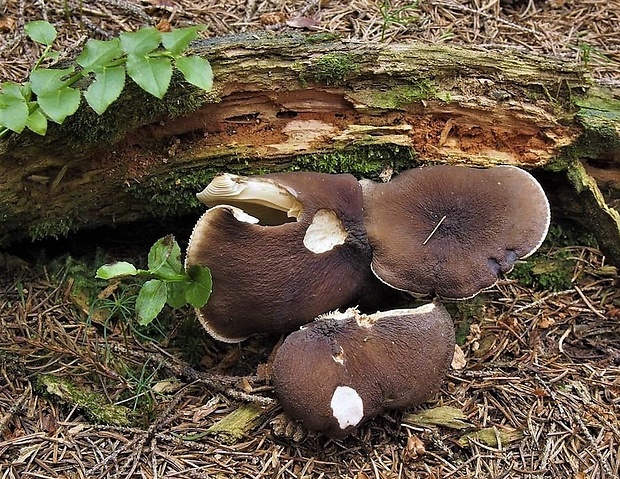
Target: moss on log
{"x": 95, "y": 405}
{"x": 289, "y": 102}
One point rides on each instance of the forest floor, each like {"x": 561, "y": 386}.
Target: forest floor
{"x": 85, "y": 392}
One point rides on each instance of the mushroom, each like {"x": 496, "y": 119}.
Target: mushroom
{"x": 301, "y": 252}
{"x": 452, "y": 231}
{"x": 345, "y": 368}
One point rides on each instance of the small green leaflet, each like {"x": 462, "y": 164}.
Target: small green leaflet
{"x": 165, "y": 258}
{"x": 199, "y": 290}
{"x": 151, "y": 300}
{"x": 13, "y": 107}
{"x": 59, "y": 104}
{"x": 45, "y": 80}
{"x": 116, "y": 270}
{"x": 179, "y": 39}
{"x": 107, "y": 87}
{"x": 196, "y": 71}
{"x": 41, "y": 32}
{"x": 151, "y": 74}
{"x": 176, "y": 294}
{"x": 99, "y": 53}
{"x": 140, "y": 42}
{"x": 37, "y": 122}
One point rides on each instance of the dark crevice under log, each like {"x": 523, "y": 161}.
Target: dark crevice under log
{"x": 312, "y": 102}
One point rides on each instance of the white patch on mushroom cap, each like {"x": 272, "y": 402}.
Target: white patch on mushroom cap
{"x": 366, "y": 321}
{"x": 242, "y": 216}
{"x": 339, "y": 356}
{"x": 347, "y": 406}
{"x": 325, "y": 232}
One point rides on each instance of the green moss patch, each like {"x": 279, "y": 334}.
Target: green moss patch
{"x": 552, "y": 273}
{"x": 333, "y": 69}
{"x": 553, "y": 267}
{"x": 400, "y": 96}
{"x": 599, "y": 115}
{"x": 362, "y": 162}
{"x": 94, "y": 405}
{"x": 51, "y": 229}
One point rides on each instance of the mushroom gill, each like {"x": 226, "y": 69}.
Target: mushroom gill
{"x": 269, "y": 201}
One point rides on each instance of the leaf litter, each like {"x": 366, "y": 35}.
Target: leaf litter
{"x": 584, "y": 30}
{"x": 539, "y": 400}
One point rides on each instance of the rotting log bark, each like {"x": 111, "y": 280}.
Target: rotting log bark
{"x": 313, "y": 102}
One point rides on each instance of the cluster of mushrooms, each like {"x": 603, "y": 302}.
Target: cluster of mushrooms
{"x": 290, "y": 251}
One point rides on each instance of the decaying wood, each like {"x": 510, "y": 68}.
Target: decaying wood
{"x": 238, "y": 423}
{"x": 312, "y": 102}
{"x": 94, "y": 405}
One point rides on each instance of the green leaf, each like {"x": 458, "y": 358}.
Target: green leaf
{"x": 37, "y": 122}
{"x": 199, "y": 290}
{"x": 116, "y": 270}
{"x": 176, "y": 294}
{"x": 98, "y": 54}
{"x": 59, "y": 104}
{"x": 45, "y": 80}
{"x": 41, "y": 32}
{"x": 140, "y": 42}
{"x": 151, "y": 300}
{"x": 13, "y": 107}
{"x": 106, "y": 88}
{"x": 196, "y": 71}
{"x": 179, "y": 39}
{"x": 151, "y": 74}
{"x": 165, "y": 258}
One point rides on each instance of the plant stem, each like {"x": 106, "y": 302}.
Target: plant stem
{"x": 42, "y": 57}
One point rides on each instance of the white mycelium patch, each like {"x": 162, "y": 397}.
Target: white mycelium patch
{"x": 365, "y": 320}
{"x": 325, "y": 232}
{"x": 338, "y": 315}
{"x": 347, "y": 406}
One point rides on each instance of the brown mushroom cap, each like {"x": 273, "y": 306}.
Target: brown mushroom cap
{"x": 345, "y": 368}
{"x": 452, "y": 231}
{"x": 274, "y": 278}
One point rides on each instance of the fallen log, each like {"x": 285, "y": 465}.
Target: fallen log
{"x": 313, "y": 102}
